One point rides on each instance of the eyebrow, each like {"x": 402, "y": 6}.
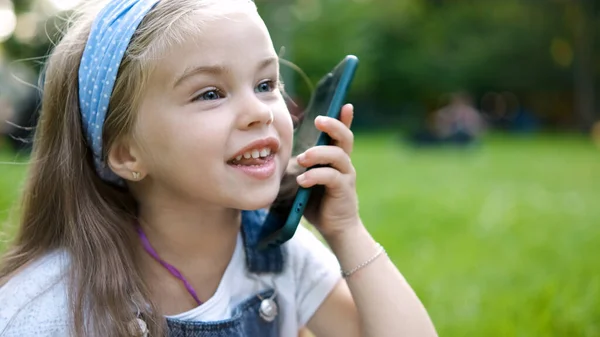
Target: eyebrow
{"x": 218, "y": 70}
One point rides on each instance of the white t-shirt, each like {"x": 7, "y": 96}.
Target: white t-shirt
{"x": 34, "y": 302}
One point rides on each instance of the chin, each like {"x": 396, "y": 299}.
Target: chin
{"x": 253, "y": 205}
{"x": 259, "y": 198}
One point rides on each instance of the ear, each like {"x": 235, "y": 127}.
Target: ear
{"x": 125, "y": 160}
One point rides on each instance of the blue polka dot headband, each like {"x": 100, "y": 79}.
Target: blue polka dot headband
{"x": 109, "y": 38}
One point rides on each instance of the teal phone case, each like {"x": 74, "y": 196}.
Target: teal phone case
{"x": 278, "y": 234}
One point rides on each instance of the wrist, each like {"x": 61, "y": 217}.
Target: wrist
{"x": 353, "y": 246}
{"x": 348, "y": 233}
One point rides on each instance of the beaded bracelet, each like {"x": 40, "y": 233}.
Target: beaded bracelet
{"x": 346, "y": 274}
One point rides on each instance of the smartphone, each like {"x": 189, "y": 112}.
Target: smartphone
{"x": 328, "y": 98}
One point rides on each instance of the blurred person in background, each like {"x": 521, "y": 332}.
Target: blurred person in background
{"x": 457, "y": 123}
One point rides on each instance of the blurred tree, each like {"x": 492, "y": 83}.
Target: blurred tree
{"x": 413, "y": 52}
{"x": 22, "y": 6}
{"x": 584, "y": 14}
{"x": 38, "y": 47}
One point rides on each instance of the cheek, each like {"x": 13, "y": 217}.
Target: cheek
{"x": 149, "y": 137}
{"x": 196, "y": 143}
{"x": 285, "y": 129}
{"x": 283, "y": 121}
{"x": 185, "y": 141}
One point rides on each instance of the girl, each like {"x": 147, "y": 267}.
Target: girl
{"x": 161, "y": 121}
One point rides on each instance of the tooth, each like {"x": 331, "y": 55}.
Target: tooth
{"x": 264, "y": 152}
{"x": 247, "y": 155}
{"x": 238, "y": 158}
{"x": 268, "y": 151}
{"x": 255, "y": 154}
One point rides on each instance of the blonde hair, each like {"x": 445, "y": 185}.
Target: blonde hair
{"x": 65, "y": 205}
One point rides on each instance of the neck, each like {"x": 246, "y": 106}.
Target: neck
{"x": 197, "y": 240}
{"x": 190, "y": 232}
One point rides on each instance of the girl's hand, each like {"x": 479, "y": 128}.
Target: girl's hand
{"x": 335, "y": 209}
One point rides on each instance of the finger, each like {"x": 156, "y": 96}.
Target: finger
{"x": 334, "y": 156}
{"x": 327, "y": 176}
{"x": 340, "y": 134}
{"x": 347, "y": 115}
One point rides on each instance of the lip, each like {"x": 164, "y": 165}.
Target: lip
{"x": 261, "y": 172}
{"x": 269, "y": 142}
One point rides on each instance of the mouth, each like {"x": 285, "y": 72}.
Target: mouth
{"x": 256, "y": 153}
{"x": 256, "y": 160}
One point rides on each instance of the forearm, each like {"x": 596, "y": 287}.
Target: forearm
{"x": 386, "y": 303}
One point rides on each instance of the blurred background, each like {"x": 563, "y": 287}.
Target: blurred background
{"x": 477, "y": 143}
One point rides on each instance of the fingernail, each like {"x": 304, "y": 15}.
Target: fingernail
{"x": 301, "y": 157}
{"x": 321, "y": 119}
{"x": 301, "y": 179}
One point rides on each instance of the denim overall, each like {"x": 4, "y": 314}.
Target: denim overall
{"x": 245, "y": 320}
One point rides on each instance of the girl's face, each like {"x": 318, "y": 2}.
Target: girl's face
{"x": 212, "y": 102}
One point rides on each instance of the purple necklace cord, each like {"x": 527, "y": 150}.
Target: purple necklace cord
{"x": 167, "y": 266}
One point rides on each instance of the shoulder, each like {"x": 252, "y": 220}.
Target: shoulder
{"x": 34, "y": 301}
{"x": 315, "y": 271}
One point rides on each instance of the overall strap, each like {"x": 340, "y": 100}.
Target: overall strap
{"x": 269, "y": 260}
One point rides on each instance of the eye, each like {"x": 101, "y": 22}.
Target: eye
{"x": 265, "y": 86}
{"x": 209, "y": 95}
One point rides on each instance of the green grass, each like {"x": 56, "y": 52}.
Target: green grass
{"x": 499, "y": 240}
{"x": 12, "y": 173}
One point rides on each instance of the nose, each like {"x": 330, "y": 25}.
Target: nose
{"x": 253, "y": 112}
